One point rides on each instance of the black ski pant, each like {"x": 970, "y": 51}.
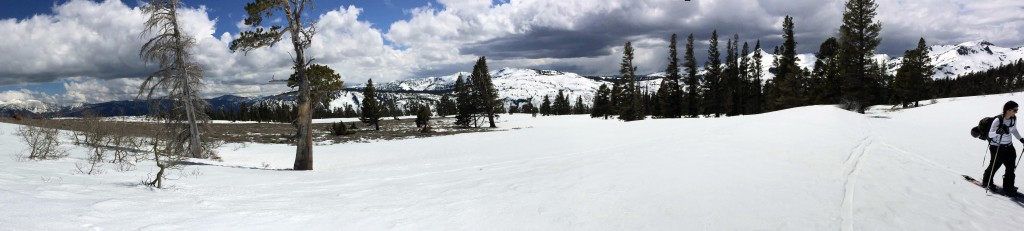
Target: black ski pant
{"x": 1005, "y": 156}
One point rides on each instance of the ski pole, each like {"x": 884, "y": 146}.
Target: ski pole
{"x": 1018, "y": 157}
{"x": 984, "y": 157}
{"x": 992, "y": 167}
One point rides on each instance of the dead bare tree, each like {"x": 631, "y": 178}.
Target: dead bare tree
{"x": 167, "y": 156}
{"x": 301, "y": 33}
{"x": 96, "y": 138}
{"x": 173, "y": 90}
{"x": 126, "y": 149}
{"x": 43, "y": 143}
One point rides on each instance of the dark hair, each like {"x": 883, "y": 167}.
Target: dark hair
{"x": 1009, "y": 105}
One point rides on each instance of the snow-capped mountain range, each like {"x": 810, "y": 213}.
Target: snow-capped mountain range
{"x": 517, "y": 85}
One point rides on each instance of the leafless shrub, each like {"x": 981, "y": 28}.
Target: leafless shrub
{"x": 43, "y": 143}
{"x": 239, "y": 146}
{"x": 127, "y": 149}
{"x": 90, "y": 167}
{"x": 209, "y": 149}
{"x": 168, "y": 155}
{"x": 96, "y": 139}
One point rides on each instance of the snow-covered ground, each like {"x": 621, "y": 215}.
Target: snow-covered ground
{"x": 809, "y": 168}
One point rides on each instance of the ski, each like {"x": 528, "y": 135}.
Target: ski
{"x": 996, "y": 189}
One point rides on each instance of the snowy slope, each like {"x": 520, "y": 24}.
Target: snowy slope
{"x": 968, "y": 57}
{"x": 808, "y": 168}
{"x": 514, "y": 85}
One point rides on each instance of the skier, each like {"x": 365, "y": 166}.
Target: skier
{"x": 1001, "y": 146}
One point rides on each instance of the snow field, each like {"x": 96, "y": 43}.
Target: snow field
{"x": 808, "y": 168}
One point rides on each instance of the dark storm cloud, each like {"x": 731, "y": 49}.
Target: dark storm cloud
{"x": 546, "y": 43}
{"x": 596, "y": 34}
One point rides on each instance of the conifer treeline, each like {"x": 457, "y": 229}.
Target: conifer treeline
{"x": 1002, "y": 79}
{"x": 844, "y": 74}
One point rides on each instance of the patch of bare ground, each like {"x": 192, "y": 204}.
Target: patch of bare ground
{"x": 280, "y": 133}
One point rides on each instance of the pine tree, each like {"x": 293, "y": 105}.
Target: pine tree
{"x": 422, "y": 115}
{"x": 601, "y": 102}
{"x": 826, "y": 69}
{"x": 371, "y": 107}
{"x": 324, "y": 84}
{"x": 513, "y": 108}
{"x": 464, "y": 103}
{"x": 925, "y": 70}
{"x": 559, "y": 104}
{"x": 446, "y": 106}
{"x": 788, "y": 78}
{"x": 712, "y": 78}
{"x": 858, "y": 37}
{"x": 545, "y": 107}
{"x": 730, "y": 78}
{"x": 670, "y": 94}
{"x": 743, "y": 94}
{"x": 350, "y": 112}
{"x": 629, "y": 105}
{"x": 529, "y": 108}
{"x": 393, "y": 109}
{"x": 756, "y": 73}
{"x": 912, "y": 78}
{"x": 580, "y": 108}
{"x": 692, "y": 100}
{"x": 483, "y": 90}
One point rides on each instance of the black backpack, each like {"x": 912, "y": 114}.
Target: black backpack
{"x": 981, "y": 131}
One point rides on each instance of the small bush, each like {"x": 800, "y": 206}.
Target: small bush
{"x": 851, "y": 105}
{"x": 339, "y": 129}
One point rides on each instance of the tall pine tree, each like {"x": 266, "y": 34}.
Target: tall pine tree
{"x": 545, "y": 107}
{"x": 692, "y": 100}
{"x": 464, "y": 103}
{"x": 730, "y": 77}
{"x": 826, "y": 70}
{"x": 580, "y": 108}
{"x": 483, "y": 90}
{"x": 756, "y": 73}
{"x": 788, "y": 78}
{"x": 561, "y": 105}
{"x": 858, "y": 38}
{"x": 743, "y": 94}
{"x": 670, "y": 94}
{"x": 602, "y": 102}
{"x": 629, "y": 105}
{"x": 712, "y": 78}
{"x": 371, "y": 107}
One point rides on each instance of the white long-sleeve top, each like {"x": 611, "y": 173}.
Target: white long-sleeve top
{"x": 997, "y": 139}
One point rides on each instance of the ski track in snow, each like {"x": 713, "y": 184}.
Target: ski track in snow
{"x": 852, "y": 168}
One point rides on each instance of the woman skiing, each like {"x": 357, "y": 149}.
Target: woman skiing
{"x": 1001, "y": 146}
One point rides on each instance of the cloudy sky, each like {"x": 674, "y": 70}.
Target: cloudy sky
{"x": 86, "y": 51}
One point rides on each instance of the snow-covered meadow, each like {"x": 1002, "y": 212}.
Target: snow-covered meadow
{"x": 808, "y": 168}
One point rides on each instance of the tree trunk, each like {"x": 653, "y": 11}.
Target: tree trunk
{"x": 304, "y": 133}
{"x": 192, "y": 127}
{"x": 490, "y": 118}
{"x": 183, "y": 70}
